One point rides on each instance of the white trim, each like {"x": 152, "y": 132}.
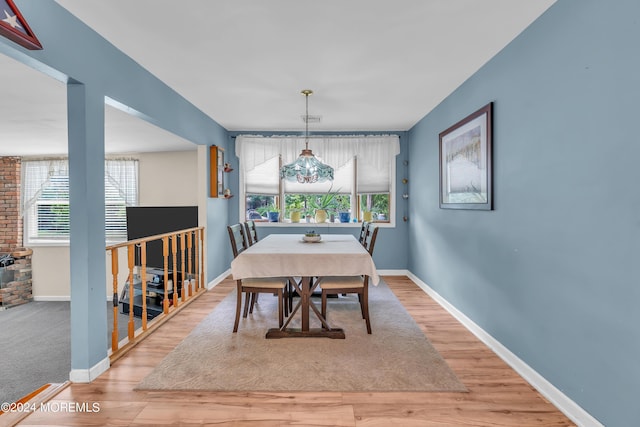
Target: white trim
{"x": 323, "y": 226}
{"x": 88, "y": 375}
{"x": 393, "y": 138}
{"x": 393, "y": 272}
{"x": 557, "y": 398}
{"x": 393, "y": 196}
{"x": 215, "y": 282}
{"x": 52, "y": 298}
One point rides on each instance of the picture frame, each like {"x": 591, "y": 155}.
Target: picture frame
{"x": 466, "y": 162}
{"x": 15, "y": 27}
{"x": 216, "y": 172}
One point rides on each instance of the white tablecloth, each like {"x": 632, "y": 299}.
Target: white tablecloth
{"x": 286, "y": 255}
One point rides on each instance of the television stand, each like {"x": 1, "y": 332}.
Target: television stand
{"x": 154, "y": 293}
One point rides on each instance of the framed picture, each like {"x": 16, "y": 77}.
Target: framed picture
{"x": 14, "y": 27}
{"x": 465, "y": 163}
{"x": 216, "y": 173}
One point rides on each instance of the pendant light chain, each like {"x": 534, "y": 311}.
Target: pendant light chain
{"x": 306, "y": 94}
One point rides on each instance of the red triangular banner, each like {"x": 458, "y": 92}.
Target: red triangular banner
{"x": 14, "y": 27}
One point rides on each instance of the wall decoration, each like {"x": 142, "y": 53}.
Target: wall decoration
{"x": 465, "y": 162}
{"x": 216, "y": 171}
{"x": 14, "y": 27}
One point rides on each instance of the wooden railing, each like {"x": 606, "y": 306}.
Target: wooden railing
{"x": 186, "y": 278}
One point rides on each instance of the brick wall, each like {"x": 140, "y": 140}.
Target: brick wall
{"x": 15, "y": 280}
{"x": 10, "y": 220}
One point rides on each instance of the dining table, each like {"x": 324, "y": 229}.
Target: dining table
{"x": 290, "y": 256}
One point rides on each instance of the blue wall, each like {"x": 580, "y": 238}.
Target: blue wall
{"x": 219, "y": 215}
{"x": 391, "y": 250}
{"x": 553, "y": 271}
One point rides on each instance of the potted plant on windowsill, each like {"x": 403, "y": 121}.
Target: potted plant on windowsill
{"x": 274, "y": 213}
{"x": 343, "y": 207}
{"x": 296, "y": 210}
{"x": 381, "y": 207}
{"x": 322, "y": 204}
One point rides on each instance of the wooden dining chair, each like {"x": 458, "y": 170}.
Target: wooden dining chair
{"x": 363, "y": 232}
{"x": 251, "y": 232}
{"x": 251, "y": 286}
{"x": 336, "y": 285}
{"x": 369, "y": 238}
{"x": 252, "y": 237}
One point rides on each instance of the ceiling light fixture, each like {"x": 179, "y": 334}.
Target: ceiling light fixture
{"x": 307, "y": 168}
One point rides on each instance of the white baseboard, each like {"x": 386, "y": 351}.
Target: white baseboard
{"x": 571, "y": 409}
{"x": 211, "y": 284}
{"x": 52, "y": 298}
{"x": 393, "y": 272}
{"x": 215, "y": 282}
{"x": 88, "y": 375}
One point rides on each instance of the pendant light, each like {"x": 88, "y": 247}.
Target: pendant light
{"x": 307, "y": 168}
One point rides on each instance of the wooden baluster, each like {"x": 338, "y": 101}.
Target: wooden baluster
{"x": 114, "y": 273}
{"x": 189, "y": 260}
{"x": 202, "y": 282}
{"x": 191, "y": 271}
{"x": 143, "y": 277}
{"x": 165, "y": 254}
{"x": 182, "y": 271}
{"x": 131, "y": 291}
{"x": 174, "y": 251}
{"x": 197, "y": 261}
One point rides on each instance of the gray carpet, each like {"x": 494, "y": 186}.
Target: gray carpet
{"x": 396, "y": 357}
{"x": 35, "y": 346}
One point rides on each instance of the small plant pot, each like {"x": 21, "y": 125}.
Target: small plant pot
{"x": 321, "y": 216}
{"x": 274, "y": 216}
{"x": 295, "y": 216}
{"x": 345, "y": 216}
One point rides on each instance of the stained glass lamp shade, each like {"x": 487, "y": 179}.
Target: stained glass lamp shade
{"x": 307, "y": 168}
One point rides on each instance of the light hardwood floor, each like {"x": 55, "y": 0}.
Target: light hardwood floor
{"x": 497, "y": 395}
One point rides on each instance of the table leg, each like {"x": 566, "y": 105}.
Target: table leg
{"x": 305, "y": 332}
{"x": 306, "y": 290}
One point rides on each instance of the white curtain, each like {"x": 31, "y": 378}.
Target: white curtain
{"x": 36, "y": 174}
{"x": 122, "y": 174}
{"x": 374, "y": 155}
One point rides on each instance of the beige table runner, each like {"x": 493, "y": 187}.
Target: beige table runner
{"x": 284, "y": 255}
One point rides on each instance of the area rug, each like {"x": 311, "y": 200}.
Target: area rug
{"x": 397, "y": 356}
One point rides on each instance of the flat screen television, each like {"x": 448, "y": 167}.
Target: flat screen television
{"x": 145, "y": 221}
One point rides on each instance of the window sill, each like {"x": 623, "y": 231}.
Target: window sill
{"x": 259, "y": 224}
{"x": 46, "y": 243}
{"x": 58, "y": 243}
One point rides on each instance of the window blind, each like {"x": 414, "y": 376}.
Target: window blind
{"x": 45, "y": 203}
{"x": 259, "y": 162}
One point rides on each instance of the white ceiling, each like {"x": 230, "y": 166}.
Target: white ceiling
{"x": 374, "y": 65}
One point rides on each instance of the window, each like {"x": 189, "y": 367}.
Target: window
{"x": 45, "y": 199}
{"x": 362, "y": 188}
